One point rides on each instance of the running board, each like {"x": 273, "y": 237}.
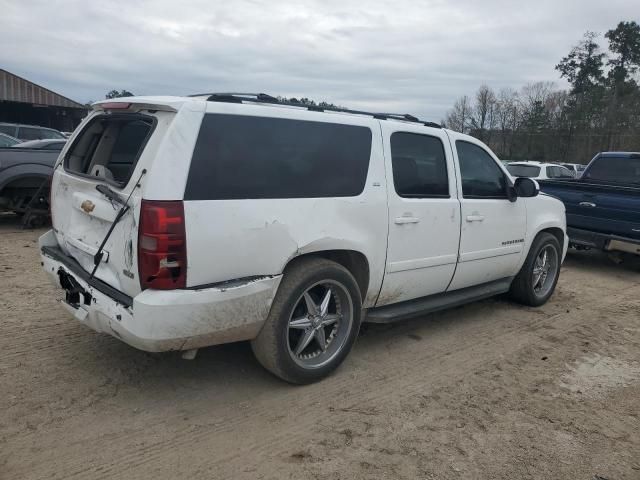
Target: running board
{"x": 440, "y": 301}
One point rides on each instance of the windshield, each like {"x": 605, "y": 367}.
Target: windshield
{"x": 622, "y": 170}
{"x": 524, "y": 170}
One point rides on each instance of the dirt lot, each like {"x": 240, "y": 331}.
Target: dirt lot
{"x": 490, "y": 390}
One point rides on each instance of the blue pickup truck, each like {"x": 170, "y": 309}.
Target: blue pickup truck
{"x": 603, "y": 205}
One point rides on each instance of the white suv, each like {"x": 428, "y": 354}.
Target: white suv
{"x": 182, "y": 222}
{"x": 539, "y": 170}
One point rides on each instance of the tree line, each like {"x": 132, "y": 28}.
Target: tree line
{"x": 599, "y": 112}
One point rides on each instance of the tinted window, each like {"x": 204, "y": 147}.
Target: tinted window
{"x": 419, "y": 165}
{"x": 8, "y": 129}
{"x": 29, "y": 133}
{"x": 622, "y": 170}
{"x": 45, "y": 133}
{"x": 240, "y": 157}
{"x": 530, "y": 171}
{"x": 481, "y": 176}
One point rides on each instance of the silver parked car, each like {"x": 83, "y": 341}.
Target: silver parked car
{"x": 29, "y": 132}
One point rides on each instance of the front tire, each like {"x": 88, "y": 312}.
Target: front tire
{"x": 537, "y": 279}
{"x": 313, "y": 322}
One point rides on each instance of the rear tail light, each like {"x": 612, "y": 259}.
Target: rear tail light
{"x": 162, "y": 245}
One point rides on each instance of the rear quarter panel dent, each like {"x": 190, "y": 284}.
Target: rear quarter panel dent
{"x": 273, "y": 232}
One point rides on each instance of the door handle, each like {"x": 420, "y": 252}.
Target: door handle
{"x": 587, "y": 204}
{"x": 403, "y": 220}
{"x": 475, "y": 218}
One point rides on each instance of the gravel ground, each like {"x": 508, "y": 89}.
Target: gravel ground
{"x": 491, "y": 390}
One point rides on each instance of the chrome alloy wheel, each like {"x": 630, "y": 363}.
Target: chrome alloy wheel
{"x": 320, "y": 324}
{"x": 545, "y": 270}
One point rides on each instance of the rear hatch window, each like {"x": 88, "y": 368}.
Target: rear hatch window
{"x": 109, "y": 147}
{"x": 622, "y": 170}
{"x": 530, "y": 171}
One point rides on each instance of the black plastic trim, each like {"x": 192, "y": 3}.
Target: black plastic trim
{"x": 75, "y": 268}
{"x": 225, "y": 284}
{"x": 269, "y": 99}
{"x": 440, "y": 301}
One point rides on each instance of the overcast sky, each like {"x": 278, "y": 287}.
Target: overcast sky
{"x": 400, "y": 56}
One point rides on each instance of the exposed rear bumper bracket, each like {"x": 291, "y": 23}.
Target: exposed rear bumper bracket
{"x": 75, "y": 268}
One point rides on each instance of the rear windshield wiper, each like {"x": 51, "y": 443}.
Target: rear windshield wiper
{"x": 110, "y": 194}
{"x": 97, "y": 258}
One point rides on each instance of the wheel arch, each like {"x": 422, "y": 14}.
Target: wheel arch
{"x": 21, "y": 172}
{"x": 20, "y": 181}
{"x": 553, "y": 228}
{"x": 556, "y": 232}
{"x": 354, "y": 261}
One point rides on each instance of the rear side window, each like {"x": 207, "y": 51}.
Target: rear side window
{"x": 8, "y": 130}
{"x": 623, "y": 170}
{"x": 28, "y": 133}
{"x": 419, "y": 165}
{"x": 481, "y": 175}
{"x": 45, "y": 133}
{"x": 565, "y": 173}
{"x": 242, "y": 157}
{"x": 530, "y": 171}
{"x": 109, "y": 147}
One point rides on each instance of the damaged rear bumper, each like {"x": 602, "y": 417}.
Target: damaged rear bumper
{"x": 161, "y": 320}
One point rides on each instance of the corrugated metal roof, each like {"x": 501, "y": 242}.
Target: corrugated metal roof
{"x": 16, "y": 89}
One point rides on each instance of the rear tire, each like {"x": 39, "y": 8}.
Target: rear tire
{"x": 537, "y": 279}
{"x": 313, "y": 322}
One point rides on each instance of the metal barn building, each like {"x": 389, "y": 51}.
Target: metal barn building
{"x": 22, "y": 101}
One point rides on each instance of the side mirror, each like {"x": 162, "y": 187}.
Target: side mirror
{"x": 512, "y": 193}
{"x": 526, "y": 187}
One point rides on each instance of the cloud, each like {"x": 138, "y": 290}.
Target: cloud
{"x": 398, "y": 56}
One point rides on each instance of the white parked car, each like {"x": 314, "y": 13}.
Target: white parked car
{"x": 182, "y": 222}
{"x": 539, "y": 170}
{"x": 576, "y": 168}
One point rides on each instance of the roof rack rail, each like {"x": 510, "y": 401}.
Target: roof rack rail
{"x": 233, "y": 97}
{"x": 398, "y": 116}
{"x": 229, "y": 97}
